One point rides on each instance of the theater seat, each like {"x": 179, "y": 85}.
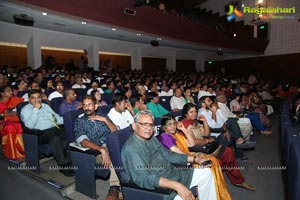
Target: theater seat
{"x": 33, "y": 150}
{"x": 165, "y": 102}
{"x": 55, "y": 103}
{"x": 104, "y": 109}
{"x": 87, "y": 169}
{"x": 107, "y": 97}
{"x": 115, "y": 141}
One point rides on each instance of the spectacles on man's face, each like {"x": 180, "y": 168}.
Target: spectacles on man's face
{"x": 146, "y": 125}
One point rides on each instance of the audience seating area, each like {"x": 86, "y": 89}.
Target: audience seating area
{"x": 87, "y": 171}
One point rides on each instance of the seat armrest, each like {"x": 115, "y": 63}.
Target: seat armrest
{"x": 76, "y": 147}
{"x": 33, "y": 131}
{"x": 238, "y": 112}
{"x": 156, "y": 190}
{"x": 217, "y": 130}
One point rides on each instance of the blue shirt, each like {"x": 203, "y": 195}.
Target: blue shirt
{"x": 92, "y": 130}
{"x": 39, "y": 118}
{"x": 66, "y": 107}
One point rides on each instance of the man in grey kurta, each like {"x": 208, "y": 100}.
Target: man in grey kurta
{"x": 150, "y": 165}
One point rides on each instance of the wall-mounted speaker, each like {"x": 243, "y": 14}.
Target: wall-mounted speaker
{"x": 23, "y": 19}
{"x": 154, "y": 43}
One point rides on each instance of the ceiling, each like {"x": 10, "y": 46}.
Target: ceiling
{"x": 71, "y": 24}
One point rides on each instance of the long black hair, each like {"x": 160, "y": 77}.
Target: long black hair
{"x": 186, "y": 109}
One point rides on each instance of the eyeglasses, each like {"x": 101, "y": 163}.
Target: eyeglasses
{"x": 146, "y": 125}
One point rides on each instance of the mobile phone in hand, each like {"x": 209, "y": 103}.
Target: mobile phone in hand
{"x": 205, "y": 163}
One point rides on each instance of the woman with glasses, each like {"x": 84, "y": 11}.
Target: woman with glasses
{"x": 199, "y": 131}
{"x": 180, "y": 141}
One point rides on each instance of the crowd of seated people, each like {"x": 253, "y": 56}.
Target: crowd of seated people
{"x": 134, "y": 91}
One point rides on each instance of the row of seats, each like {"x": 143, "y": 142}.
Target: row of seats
{"x": 165, "y": 100}
{"x": 85, "y": 173}
{"x": 55, "y": 102}
{"x": 87, "y": 169}
{"x": 290, "y": 145}
{"x": 107, "y": 97}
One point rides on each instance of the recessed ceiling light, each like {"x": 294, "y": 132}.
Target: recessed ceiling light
{"x": 234, "y": 35}
{"x": 113, "y": 29}
{"x": 44, "y": 13}
{"x": 159, "y": 38}
{"x": 83, "y": 22}
{"x": 138, "y": 34}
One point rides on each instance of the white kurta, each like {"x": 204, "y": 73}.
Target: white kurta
{"x": 121, "y": 120}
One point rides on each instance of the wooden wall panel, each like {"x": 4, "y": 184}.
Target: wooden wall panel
{"x": 186, "y": 65}
{"x": 13, "y": 56}
{"x": 117, "y": 60}
{"x": 153, "y": 64}
{"x": 62, "y": 57}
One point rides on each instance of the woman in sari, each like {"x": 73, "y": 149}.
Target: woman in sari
{"x": 179, "y": 143}
{"x": 11, "y": 130}
{"x": 224, "y": 154}
{"x": 190, "y": 126}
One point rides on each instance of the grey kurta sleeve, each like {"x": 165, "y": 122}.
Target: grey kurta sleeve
{"x": 138, "y": 170}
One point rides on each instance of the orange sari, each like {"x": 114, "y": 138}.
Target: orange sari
{"x": 221, "y": 187}
{"x": 11, "y": 131}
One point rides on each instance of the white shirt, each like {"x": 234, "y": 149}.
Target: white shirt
{"x": 54, "y": 94}
{"x": 177, "y": 102}
{"x": 202, "y": 93}
{"x": 77, "y": 86}
{"x": 91, "y": 89}
{"x": 265, "y": 95}
{"x": 220, "y": 119}
{"x": 86, "y": 80}
{"x": 25, "y": 97}
{"x": 163, "y": 93}
{"x": 225, "y": 110}
{"x": 120, "y": 120}
{"x": 236, "y": 104}
{"x": 244, "y": 123}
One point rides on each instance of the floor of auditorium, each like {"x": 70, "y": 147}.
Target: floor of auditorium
{"x": 261, "y": 171}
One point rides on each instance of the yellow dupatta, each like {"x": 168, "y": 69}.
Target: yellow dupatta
{"x": 221, "y": 187}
